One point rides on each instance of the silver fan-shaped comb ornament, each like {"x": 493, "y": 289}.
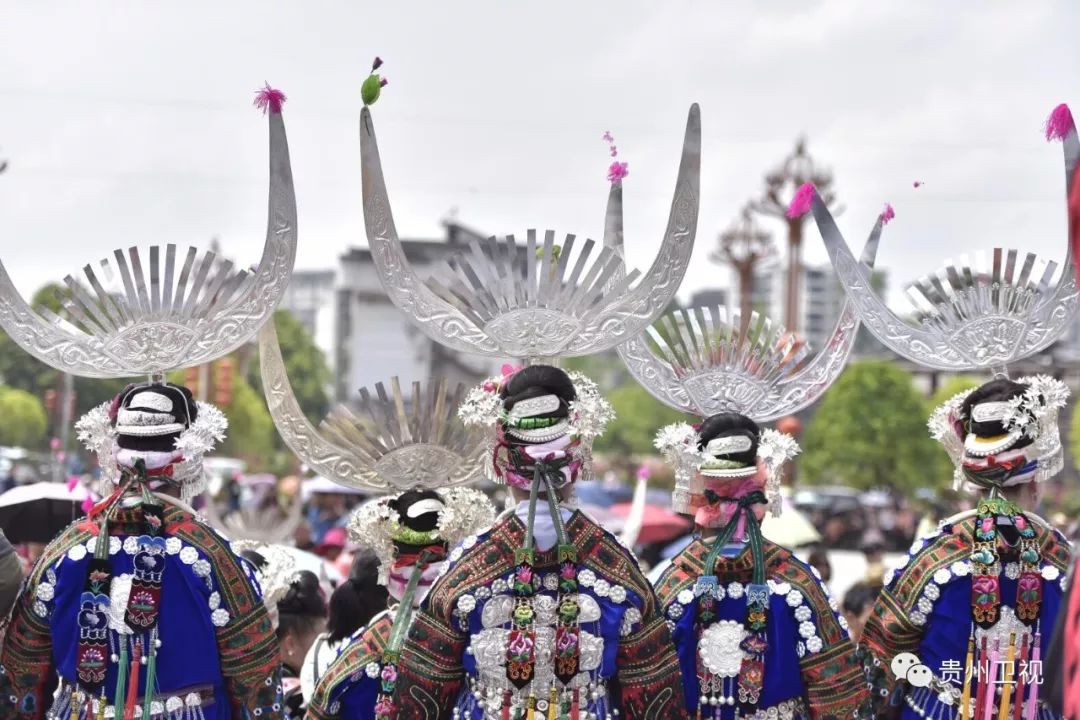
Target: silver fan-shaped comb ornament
{"x": 565, "y": 300}
{"x": 385, "y": 447}
{"x": 149, "y": 311}
{"x": 700, "y": 361}
{"x": 970, "y": 316}
{"x": 257, "y": 524}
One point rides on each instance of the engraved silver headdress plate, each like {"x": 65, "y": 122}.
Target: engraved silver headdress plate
{"x": 550, "y": 300}
{"x": 980, "y": 315}
{"x": 701, "y": 361}
{"x": 144, "y": 312}
{"x": 386, "y": 447}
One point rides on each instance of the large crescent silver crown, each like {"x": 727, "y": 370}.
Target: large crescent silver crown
{"x": 700, "y": 360}
{"x": 549, "y": 301}
{"x": 979, "y": 315}
{"x": 385, "y": 448}
{"x": 154, "y": 310}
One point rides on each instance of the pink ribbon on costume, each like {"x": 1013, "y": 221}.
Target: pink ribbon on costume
{"x": 719, "y": 513}
{"x": 556, "y": 449}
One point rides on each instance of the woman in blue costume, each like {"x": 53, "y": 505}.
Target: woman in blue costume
{"x": 963, "y": 628}
{"x": 756, "y": 632}
{"x": 411, "y": 534}
{"x": 141, "y": 609}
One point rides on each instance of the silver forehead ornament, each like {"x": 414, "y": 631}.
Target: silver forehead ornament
{"x": 387, "y": 446}
{"x": 1034, "y": 414}
{"x": 545, "y": 301}
{"x": 980, "y": 315}
{"x": 145, "y": 312}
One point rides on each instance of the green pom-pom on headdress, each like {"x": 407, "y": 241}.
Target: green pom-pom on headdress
{"x": 372, "y": 87}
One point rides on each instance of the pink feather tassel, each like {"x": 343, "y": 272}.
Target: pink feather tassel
{"x": 268, "y": 98}
{"x": 887, "y": 214}
{"x": 1060, "y": 123}
{"x": 800, "y": 204}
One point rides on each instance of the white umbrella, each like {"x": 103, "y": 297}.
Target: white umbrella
{"x": 37, "y": 512}
{"x": 792, "y": 529}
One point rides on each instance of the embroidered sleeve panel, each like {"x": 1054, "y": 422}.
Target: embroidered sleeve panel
{"x": 26, "y": 655}
{"x": 247, "y": 644}
{"x": 367, "y": 648}
{"x": 649, "y": 680}
{"x": 831, "y": 671}
{"x": 890, "y": 629}
{"x": 430, "y": 672}
{"x": 601, "y": 552}
{"x": 490, "y": 558}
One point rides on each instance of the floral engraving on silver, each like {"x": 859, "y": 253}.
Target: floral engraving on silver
{"x": 499, "y": 299}
{"x": 720, "y": 648}
{"x": 152, "y": 310}
{"x": 977, "y": 315}
{"x": 387, "y": 446}
{"x": 700, "y": 360}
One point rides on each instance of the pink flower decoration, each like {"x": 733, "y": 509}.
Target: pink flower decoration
{"x": 568, "y": 572}
{"x": 384, "y": 706}
{"x": 520, "y": 643}
{"x": 490, "y": 386}
{"x": 1020, "y": 522}
{"x": 524, "y": 575}
{"x": 800, "y": 203}
{"x": 617, "y": 172}
{"x": 987, "y": 525}
{"x": 269, "y": 99}
{"x": 54, "y": 444}
{"x": 984, "y": 584}
{"x": 1060, "y": 123}
{"x": 643, "y": 472}
{"x": 887, "y": 214}
{"x": 606, "y": 137}
{"x": 72, "y": 482}
{"x": 389, "y": 673}
{"x": 507, "y": 371}
{"x": 87, "y": 505}
{"x": 614, "y": 151}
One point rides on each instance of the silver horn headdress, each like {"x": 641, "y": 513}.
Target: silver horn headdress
{"x": 979, "y": 315}
{"x": 553, "y": 300}
{"x": 144, "y": 312}
{"x": 700, "y": 361}
{"x": 387, "y": 447}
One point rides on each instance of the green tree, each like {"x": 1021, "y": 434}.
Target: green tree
{"x": 22, "y": 418}
{"x": 304, "y": 362}
{"x": 870, "y": 431}
{"x": 251, "y": 432}
{"x": 637, "y": 418}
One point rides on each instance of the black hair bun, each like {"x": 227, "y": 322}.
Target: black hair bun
{"x": 183, "y": 410}
{"x": 535, "y": 381}
{"x": 304, "y": 596}
{"x": 999, "y": 390}
{"x": 731, "y": 425}
{"x": 425, "y": 521}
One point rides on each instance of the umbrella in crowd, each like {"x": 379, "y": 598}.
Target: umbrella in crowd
{"x": 658, "y": 524}
{"x": 37, "y": 512}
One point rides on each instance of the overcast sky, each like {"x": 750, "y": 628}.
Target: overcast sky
{"x": 131, "y": 122}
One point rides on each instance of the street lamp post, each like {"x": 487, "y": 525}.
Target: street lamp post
{"x": 780, "y": 185}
